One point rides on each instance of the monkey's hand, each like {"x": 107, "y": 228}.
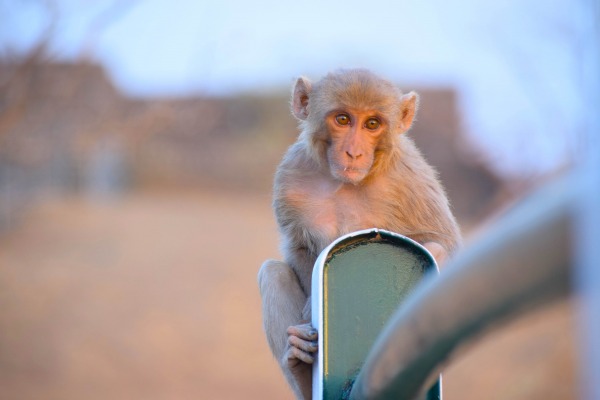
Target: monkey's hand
{"x": 302, "y": 345}
{"x": 299, "y": 356}
{"x": 437, "y": 251}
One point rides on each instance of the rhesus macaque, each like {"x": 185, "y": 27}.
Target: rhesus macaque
{"x": 352, "y": 167}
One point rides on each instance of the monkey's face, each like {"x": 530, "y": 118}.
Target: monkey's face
{"x": 351, "y": 119}
{"x": 353, "y": 138}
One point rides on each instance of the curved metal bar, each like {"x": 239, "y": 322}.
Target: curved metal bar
{"x": 522, "y": 262}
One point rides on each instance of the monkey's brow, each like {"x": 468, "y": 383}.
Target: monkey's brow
{"x": 371, "y": 112}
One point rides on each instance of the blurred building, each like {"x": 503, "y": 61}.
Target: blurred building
{"x": 64, "y": 128}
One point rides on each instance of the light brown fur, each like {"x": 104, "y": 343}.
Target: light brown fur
{"x": 340, "y": 178}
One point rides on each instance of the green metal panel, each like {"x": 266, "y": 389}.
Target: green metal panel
{"x": 365, "y": 277}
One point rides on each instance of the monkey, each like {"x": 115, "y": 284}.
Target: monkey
{"x": 352, "y": 167}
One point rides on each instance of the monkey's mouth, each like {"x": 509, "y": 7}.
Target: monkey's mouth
{"x": 350, "y": 174}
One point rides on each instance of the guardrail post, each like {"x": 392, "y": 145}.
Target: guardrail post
{"x": 358, "y": 282}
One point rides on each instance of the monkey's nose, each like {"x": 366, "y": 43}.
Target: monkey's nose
{"x": 353, "y": 156}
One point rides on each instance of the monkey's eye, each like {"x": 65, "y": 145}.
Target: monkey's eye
{"x": 342, "y": 119}
{"x": 372, "y": 124}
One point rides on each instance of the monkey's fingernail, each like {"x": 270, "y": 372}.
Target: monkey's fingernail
{"x": 312, "y": 332}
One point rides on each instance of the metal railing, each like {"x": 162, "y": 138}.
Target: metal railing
{"x": 525, "y": 261}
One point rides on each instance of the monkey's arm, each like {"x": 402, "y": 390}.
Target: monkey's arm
{"x": 438, "y": 252}
{"x": 292, "y": 340}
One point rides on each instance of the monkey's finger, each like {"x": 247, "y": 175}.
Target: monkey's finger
{"x": 295, "y": 353}
{"x": 304, "y": 331}
{"x": 309, "y": 347}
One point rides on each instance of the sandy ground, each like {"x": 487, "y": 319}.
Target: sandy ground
{"x": 154, "y": 296}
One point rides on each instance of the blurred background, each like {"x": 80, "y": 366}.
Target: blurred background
{"x": 138, "y": 140}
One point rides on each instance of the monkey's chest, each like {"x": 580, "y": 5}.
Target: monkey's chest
{"x": 331, "y": 215}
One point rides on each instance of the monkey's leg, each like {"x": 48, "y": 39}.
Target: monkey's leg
{"x": 292, "y": 342}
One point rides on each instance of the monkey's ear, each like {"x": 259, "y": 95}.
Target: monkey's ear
{"x": 408, "y": 107}
{"x": 300, "y": 97}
